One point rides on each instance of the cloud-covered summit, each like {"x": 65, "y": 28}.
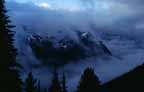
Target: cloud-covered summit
{"x": 118, "y": 23}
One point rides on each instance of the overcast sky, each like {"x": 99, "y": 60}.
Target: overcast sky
{"x": 105, "y": 7}
{"x": 121, "y": 12}
{"x": 109, "y": 5}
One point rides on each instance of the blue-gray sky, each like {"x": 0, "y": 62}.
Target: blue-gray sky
{"x": 125, "y": 13}
{"x": 100, "y": 11}
{"x": 101, "y": 7}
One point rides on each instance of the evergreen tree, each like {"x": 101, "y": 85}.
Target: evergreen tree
{"x": 30, "y": 83}
{"x": 55, "y": 86}
{"x": 89, "y": 82}
{"x": 9, "y": 78}
{"x": 64, "y": 83}
{"x": 45, "y": 90}
{"x": 39, "y": 88}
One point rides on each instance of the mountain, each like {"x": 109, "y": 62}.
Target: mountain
{"x": 53, "y": 31}
{"x": 51, "y": 50}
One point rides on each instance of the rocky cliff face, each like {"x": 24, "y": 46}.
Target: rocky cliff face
{"x": 66, "y": 49}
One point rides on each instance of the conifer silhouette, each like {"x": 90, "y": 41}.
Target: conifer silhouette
{"x": 64, "y": 88}
{"x": 55, "y": 86}
{"x": 39, "y": 86}
{"x": 89, "y": 82}
{"x": 30, "y": 83}
{"x": 9, "y": 77}
{"x": 45, "y": 90}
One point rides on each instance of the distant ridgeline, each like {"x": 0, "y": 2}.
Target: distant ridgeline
{"x": 66, "y": 49}
{"x": 132, "y": 81}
